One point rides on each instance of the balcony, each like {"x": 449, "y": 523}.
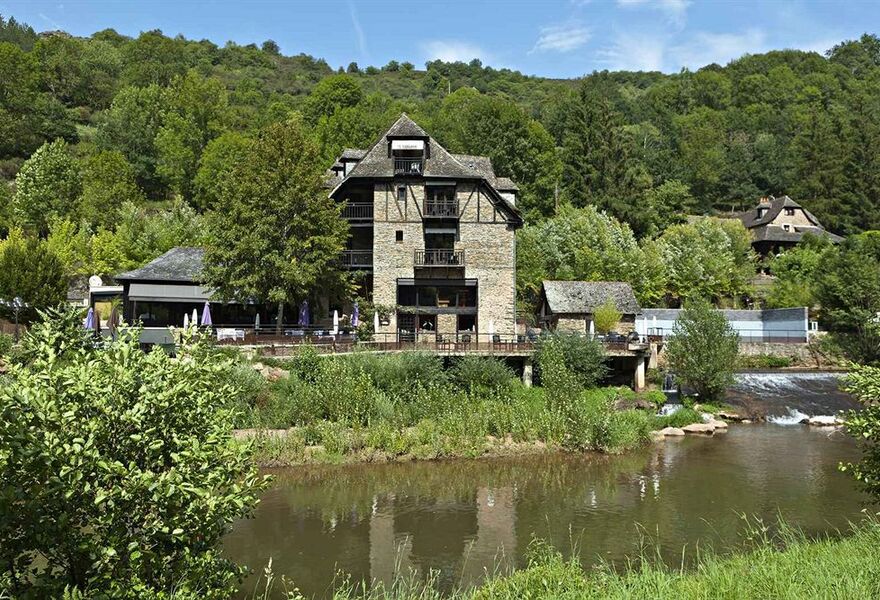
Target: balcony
{"x": 358, "y": 211}
{"x": 357, "y": 259}
{"x": 441, "y": 209}
{"x": 438, "y": 258}
{"x": 409, "y": 166}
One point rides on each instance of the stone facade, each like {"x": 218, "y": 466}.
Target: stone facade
{"x": 485, "y": 236}
{"x": 798, "y": 219}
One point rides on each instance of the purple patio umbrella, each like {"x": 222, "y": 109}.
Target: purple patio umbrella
{"x": 90, "y": 319}
{"x": 304, "y": 314}
{"x": 206, "y": 316}
{"x": 355, "y": 315}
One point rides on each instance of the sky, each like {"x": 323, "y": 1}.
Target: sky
{"x": 551, "y": 38}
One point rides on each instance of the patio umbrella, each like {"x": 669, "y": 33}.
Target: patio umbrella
{"x": 376, "y": 322}
{"x": 335, "y": 322}
{"x": 491, "y": 328}
{"x": 653, "y": 323}
{"x": 206, "y": 316}
{"x": 185, "y": 321}
{"x": 304, "y": 314}
{"x": 113, "y": 321}
{"x": 592, "y": 328}
{"x": 257, "y": 322}
{"x": 90, "y": 319}
{"x": 355, "y": 315}
{"x": 195, "y": 318}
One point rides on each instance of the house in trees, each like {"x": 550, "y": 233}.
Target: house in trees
{"x": 568, "y": 306}
{"x": 780, "y": 223}
{"x": 432, "y": 234}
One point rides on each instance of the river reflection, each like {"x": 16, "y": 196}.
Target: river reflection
{"x": 462, "y": 518}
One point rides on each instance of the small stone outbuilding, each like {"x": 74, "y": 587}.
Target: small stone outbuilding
{"x": 569, "y": 305}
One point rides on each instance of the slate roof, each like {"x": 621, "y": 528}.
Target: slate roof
{"x": 181, "y": 264}
{"x": 762, "y": 230}
{"x": 352, "y": 154}
{"x": 505, "y": 184}
{"x": 578, "y": 297}
{"x": 376, "y": 164}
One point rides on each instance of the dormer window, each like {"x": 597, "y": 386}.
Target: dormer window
{"x": 789, "y": 212}
{"x": 408, "y": 156}
{"x": 761, "y": 212}
{"x": 787, "y": 227}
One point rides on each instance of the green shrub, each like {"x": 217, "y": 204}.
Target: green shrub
{"x": 655, "y": 376}
{"x": 118, "y": 468}
{"x": 582, "y": 357}
{"x": 655, "y": 397}
{"x": 680, "y": 418}
{"x": 473, "y": 373}
{"x": 764, "y": 361}
{"x": 306, "y": 364}
{"x": 606, "y": 317}
{"x": 6, "y": 343}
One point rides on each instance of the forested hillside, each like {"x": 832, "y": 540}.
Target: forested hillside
{"x": 114, "y": 149}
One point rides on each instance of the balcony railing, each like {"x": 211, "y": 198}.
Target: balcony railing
{"x": 408, "y": 166}
{"x": 439, "y": 258}
{"x": 441, "y": 209}
{"x": 358, "y": 211}
{"x": 357, "y": 259}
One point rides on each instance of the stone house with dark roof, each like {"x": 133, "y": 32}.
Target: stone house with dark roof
{"x": 779, "y": 223}
{"x": 569, "y": 305}
{"x": 433, "y": 233}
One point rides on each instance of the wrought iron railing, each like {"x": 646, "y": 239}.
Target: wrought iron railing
{"x": 358, "y": 211}
{"x": 408, "y": 166}
{"x": 441, "y": 208}
{"x": 357, "y": 259}
{"x": 439, "y": 258}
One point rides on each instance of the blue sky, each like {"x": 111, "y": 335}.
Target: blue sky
{"x": 555, "y": 38}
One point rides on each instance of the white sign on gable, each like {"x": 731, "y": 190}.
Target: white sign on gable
{"x": 407, "y": 144}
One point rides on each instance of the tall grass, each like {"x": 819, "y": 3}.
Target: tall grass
{"x": 409, "y": 404}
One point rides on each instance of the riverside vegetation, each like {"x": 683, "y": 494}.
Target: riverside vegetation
{"x": 379, "y": 407}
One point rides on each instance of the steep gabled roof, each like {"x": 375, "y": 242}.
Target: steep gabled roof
{"x": 181, "y": 264}
{"x": 751, "y": 218}
{"x": 579, "y": 297}
{"x": 439, "y": 164}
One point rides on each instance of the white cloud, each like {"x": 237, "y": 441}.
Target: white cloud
{"x": 704, "y": 48}
{"x": 674, "y": 9}
{"x": 562, "y": 38}
{"x": 452, "y": 51}
{"x": 358, "y": 30}
{"x": 633, "y": 51}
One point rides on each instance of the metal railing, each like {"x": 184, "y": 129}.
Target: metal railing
{"x": 438, "y": 258}
{"x": 408, "y": 166}
{"x": 441, "y": 208}
{"x": 354, "y": 259}
{"x": 768, "y": 336}
{"x": 358, "y": 211}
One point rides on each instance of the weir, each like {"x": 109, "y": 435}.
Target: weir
{"x": 788, "y": 397}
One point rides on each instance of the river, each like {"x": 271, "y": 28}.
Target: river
{"x": 463, "y": 517}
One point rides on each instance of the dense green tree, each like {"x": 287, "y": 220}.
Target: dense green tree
{"x": 41, "y": 284}
{"x": 108, "y": 183}
{"x": 48, "y": 185}
{"x": 20, "y": 34}
{"x": 118, "y": 469}
{"x": 275, "y": 236}
{"x": 708, "y": 259}
{"x": 331, "y": 94}
{"x": 153, "y": 59}
{"x": 667, "y": 204}
{"x": 702, "y": 350}
{"x": 131, "y": 125}
{"x": 863, "y": 382}
{"x": 583, "y": 244}
{"x": 216, "y": 166}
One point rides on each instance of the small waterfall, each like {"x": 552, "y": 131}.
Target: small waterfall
{"x": 786, "y": 398}
{"x": 794, "y": 417}
{"x": 669, "y": 408}
{"x": 670, "y": 388}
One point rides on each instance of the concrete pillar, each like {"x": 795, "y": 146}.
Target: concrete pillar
{"x": 527, "y": 372}
{"x": 639, "y": 374}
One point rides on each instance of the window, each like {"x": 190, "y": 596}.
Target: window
{"x": 398, "y": 236}
{"x": 467, "y": 322}
{"x": 761, "y": 212}
{"x": 789, "y": 212}
{"x": 787, "y": 227}
{"x": 401, "y": 193}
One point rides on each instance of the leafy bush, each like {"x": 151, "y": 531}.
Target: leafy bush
{"x": 473, "y": 373}
{"x": 606, "y": 317}
{"x": 582, "y": 357}
{"x": 764, "y": 361}
{"x": 6, "y": 343}
{"x": 655, "y": 397}
{"x": 118, "y": 468}
{"x": 703, "y": 350}
{"x": 680, "y": 418}
{"x": 863, "y": 382}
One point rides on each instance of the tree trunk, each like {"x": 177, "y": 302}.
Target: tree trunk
{"x": 279, "y": 323}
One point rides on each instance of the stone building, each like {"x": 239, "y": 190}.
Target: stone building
{"x": 569, "y": 305}
{"x": 780, "y": 223}
{"x": 433, "y": 234}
